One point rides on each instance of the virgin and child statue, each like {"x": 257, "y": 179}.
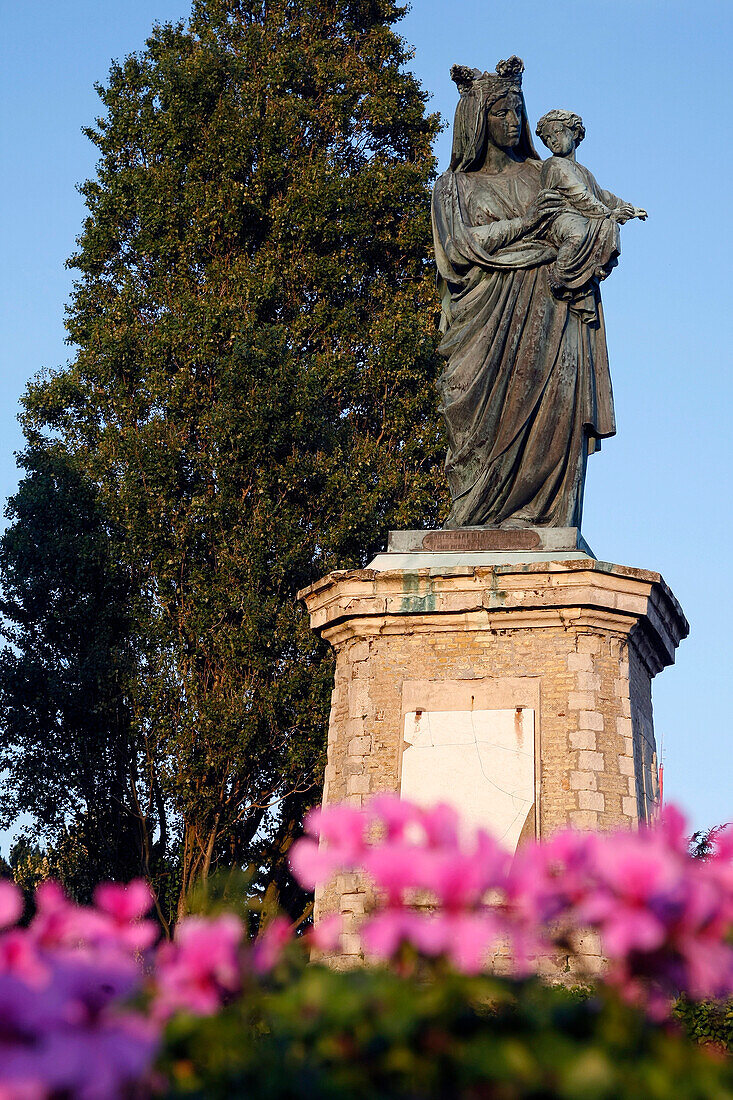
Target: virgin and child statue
{"x": 521, "y": 246}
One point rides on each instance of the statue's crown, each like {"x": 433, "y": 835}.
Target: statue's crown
{"x": 507, "y": 78}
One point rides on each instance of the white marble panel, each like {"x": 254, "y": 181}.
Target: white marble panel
{"x": 482, "y": 762}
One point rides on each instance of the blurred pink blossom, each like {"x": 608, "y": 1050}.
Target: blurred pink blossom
{"x": 326, "y": 933}
{"x": 312, "y": 863}
{"x": 270, "y": 943}
{"x": 124, "y": 903}
{"x": 395, "y": 814}
{"x": 664, "y": 919}
{"x": 342, "y": 826}
{"x": 200, "y": 969}
{"x": 11, "y": 903}
{"x": 342, "y": 835}
{"x": 386, "y": 932}
{"x": 64, "y": 985}
{"x": 85, "y": 991}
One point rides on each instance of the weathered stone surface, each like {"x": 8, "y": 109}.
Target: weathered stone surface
{"x": 583, "y": 781}
{"x": 484, "y": 758}
{"x": 582, "y": 739}
{"x": 581, "y": 593}
{"x": 532, "y": 635}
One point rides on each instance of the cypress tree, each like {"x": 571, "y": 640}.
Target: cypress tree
{"x": 252, "y": 387}
{"x": 68, "y": 756}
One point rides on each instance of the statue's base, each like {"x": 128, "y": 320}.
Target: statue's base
{"x": 519, "y": 690}
{"x": 480, "y": 546}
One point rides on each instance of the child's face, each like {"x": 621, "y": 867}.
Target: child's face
{"x": 559, "y": 138}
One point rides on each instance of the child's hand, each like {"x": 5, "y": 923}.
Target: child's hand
{"x": 623, "y": 212}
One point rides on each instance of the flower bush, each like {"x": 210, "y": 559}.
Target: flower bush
{"x": 85, "y": 992}
{"x": 66, "y": 1028}
{"x": 93, "y": 1004}
{"x": 663, "y": 918}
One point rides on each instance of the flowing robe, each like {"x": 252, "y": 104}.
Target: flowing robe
{"x": 526, "y": 392}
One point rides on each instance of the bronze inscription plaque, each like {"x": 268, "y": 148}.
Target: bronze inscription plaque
{"x": 459, "y": 540}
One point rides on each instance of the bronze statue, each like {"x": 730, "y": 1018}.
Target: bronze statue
{"x": 526, "y": 391}
{"x": 586, "y": 232}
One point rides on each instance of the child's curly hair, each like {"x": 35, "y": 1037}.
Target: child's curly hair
{"x": 573, "y": 122}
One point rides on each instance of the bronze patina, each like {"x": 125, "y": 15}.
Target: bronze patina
{"x": 521, "y": 246}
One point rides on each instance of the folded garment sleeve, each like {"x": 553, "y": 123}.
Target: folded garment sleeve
{"x": 565, "y": 176}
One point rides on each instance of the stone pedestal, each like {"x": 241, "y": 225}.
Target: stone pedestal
{"x": 521, "y": 687}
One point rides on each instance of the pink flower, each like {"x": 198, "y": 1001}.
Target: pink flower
{"x": 395, "y": 814}
{"x": 430, "y": 933}
{"x": 326, "y": 934}
{"x": 124, "y": 903}
{"x": 671, "y": 827}
{"x": 60, "y": 923}
{"x": 395, "y": 869}
{"x": 546, "y": 885}
{"x": 440, "y": 824}
{"x": 65, "y": 1031}
{"x": 200, "y": 970}
{"x": 98, "y": 1061}
{"x": 384, "y": 933}
{"x": 628, "y": 929}
{"x": 662, "y": 918}
{"x": 343, "y": 827}
{"x": 639, "y": 869}
{"x": 460, "y": 878}
{"x": 311, "y": 863}
{"x": 125, "y": 906}
{"x": 463, "y": 937}
{"x": 11, "y": 903}
{"x": 470, "y": 935}
{"x": 709, "y": 969}
{"x": 19, "y": 956}
{"x": 56, "y": 921}
{"x": 23, "y": 1090}
{"x": 270, "y": 945}
{"x": 342, "y": 831}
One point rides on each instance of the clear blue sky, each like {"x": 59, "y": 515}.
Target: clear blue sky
{"x": 652, "y": 80}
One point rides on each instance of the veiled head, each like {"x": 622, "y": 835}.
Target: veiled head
{"x": 491, "y": 110}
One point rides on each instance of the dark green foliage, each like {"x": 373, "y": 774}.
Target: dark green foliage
{"x": 707, "y": 1021}
{"x": 370, "y": 1034}
{"x": 68, "y": 752}
{"x": 251, "y": 395}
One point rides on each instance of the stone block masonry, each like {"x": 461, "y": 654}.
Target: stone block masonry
{"x": 576, "y": 642}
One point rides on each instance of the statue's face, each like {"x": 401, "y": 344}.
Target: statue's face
{"x": 505, "y": 121}
{"x": 559, "y": 138}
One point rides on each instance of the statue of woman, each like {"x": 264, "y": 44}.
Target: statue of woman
{"x": 526, "y": 391}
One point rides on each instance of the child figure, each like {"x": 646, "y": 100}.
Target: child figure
{"x": 586, "y": 234}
